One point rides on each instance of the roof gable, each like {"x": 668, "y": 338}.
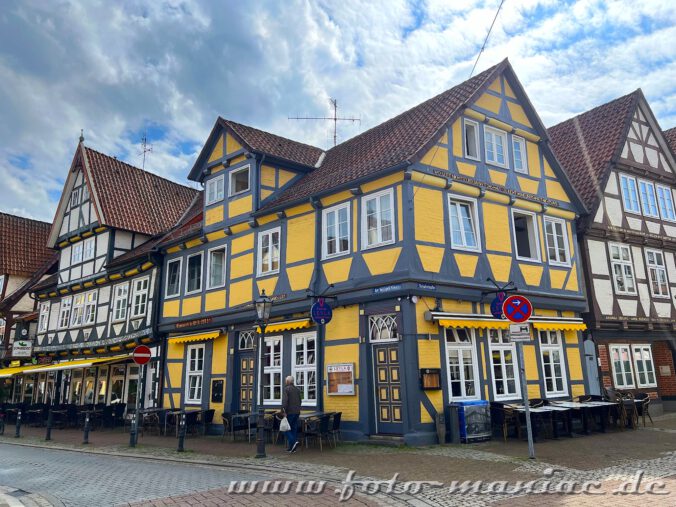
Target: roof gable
{"x": 670, "y": 136}
{"x": 23, "y": 245}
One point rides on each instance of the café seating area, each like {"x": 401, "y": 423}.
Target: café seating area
{"x": 65, "y": 415}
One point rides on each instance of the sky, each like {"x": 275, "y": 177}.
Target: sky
{"x": 169, "y": 68}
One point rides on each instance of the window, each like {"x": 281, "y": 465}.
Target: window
{"x": 551, "y": 352}
{"x": 77, "y": 311}
{"x": 461, "y": 362}
{"x": 2, "y": 284}
{"x": 644, "y": 366}
{"x": 504, "y": 365}
{"x": 140, "y": 301}
{"x": 268, "y": 252}
{"x": 272, "y": 370}
{"x": 120, "y": 295}
{"x": 194, "y": 374}
{"x": 495, "y": 141}
{"x": 304, "y": 367}
{"x": 239, "y": 180}
{"x": 90, "y": 307}
{"x": 88, "y": 252}
{"x": 173, "y": 287}
{"x": 556, "y": 237}
{"x": 463, "y": 224}
{"x": 659, "y": 285}
{"x": 336, "y": 230}
{"x": 194, "y": 273}
{"x": 43, "y": 318}
{"x": 519, "y": 153}
{"x": 526, "y": 236}
{"x": 471, "y": 139}
{"x": 216, "y": 267}
{"x": 621, "y": 362}
{"x": 623, "y": 270}
{"x": 64, "y": 312}
{"x": 75, "y": 198}
{"x": 215, "y": 189}
{"x": 85, "y": 194}
{"x": 383, "y": 328}
{"x": 629, "y": 194}
{"x": 666, "y": 203}
{"x": 377, "y": 222}
{"x": 76, "y": 253}
{"x": 246, "y": 340}
{"x": 648, "y": 199}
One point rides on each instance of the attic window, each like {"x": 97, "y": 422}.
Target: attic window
{"x": 471, "y": 139}
{"x": 239, "y": 181}
{"x": 75, "y": 198}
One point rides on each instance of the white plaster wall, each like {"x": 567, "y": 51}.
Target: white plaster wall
{"x": 598, "y": 257}
{"x": 614, "y": 209}
{"x": 628, "y": 306}
{"x": 639, "y": 269}
{"x": 603, "y": 292}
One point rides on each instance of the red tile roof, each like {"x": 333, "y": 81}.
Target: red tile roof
{"x": 586, "y": 144}
{"x": 12, "y": 299}
{"x": 23, "y": 245}
{"x": 670, "y": 136}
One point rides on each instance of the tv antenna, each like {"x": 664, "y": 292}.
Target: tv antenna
{"x": 146, "y": 148}
{"x": 335, "y": 119}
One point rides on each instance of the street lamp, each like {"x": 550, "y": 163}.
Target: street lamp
{"x": 263, "y": 306}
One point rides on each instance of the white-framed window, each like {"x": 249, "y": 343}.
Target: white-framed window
{"x": 140, "y": 298}
{"x": 2, "y": 283}
{"x": 629, "y": 194}
{"x": 173, "y": 281}
{"x": 43, "y": 318}
{"x": 383, "y": 328}
{"x": 215, "y": 189}
{"x": 75, "y": 198}
{"x": 464, "y": 220}
{"x": 239, "y": 181}
{"x": 504, "y": 366}
{"x": 336, "y": 231}
{"x": 644, "y": 365}
{"x": 77, "y": 312}
{"x": 272, "y": 370}
{"x": 623, "y": 269}
{"x": 657, "y": 273}
{"x": 216, "y": 267}
{"x": 194, "y": 273}
{"x": 519, "y": 154}
{"x": 90, "y": 307}
{"x": 496, "y": 146}
{"x": 194, "y": 373}
{"x": 304, "y": 366}
{"x": 76, "y": 253}
{"x": 556, "y": 239}
{"x": 85, "y": 193}
{"x": 526, "y": 238}
{"x": 64, "y": 312}
{"x": 89, "y": 249}
{"x": 268, "y": 251}
{"x": 462, "y": 365}
{"x": 471, "y": 139}
{"x": 665, "y": 201}
{"x": 120, "y": 297}
{"x": 620, "y": 360}
{"x": 377, "y": 224}
{"x": 553, "y": 365}
{"x": 648, "y": 199}
{"x": 246, "y": 340}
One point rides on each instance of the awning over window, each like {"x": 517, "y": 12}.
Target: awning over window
{"x": 8, "y": 372}
{"x": 560, "y": 325}
{"x": 81, "y": 363}
{"x": 287, "y": 325}
{"x": 475, "y": 323}
{"x": 195, "y": 337}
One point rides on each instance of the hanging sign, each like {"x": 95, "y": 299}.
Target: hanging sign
{"x": 22, "y": 348}
{"x": 321, "y": 312}
{"x": 518, "y": 309}
{"x": 496, "y": 305}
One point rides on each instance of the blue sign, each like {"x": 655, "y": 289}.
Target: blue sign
{"x": 496, "y": 305}
{"x": 387, "y": 288}
{"x": 518, "y": 309}
{"x": 321, "y": 312}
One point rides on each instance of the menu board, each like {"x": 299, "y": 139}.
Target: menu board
{"x": 341, "y": 379}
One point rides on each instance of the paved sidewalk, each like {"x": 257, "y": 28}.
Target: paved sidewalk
{"x": 13, "y": 497}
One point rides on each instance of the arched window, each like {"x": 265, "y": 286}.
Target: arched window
{"x": 383, "y": 328}
{"x": 246, "y": 340}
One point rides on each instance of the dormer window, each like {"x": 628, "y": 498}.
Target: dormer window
{"x": 75, "y": 198}
{"x": 215, "y": 190}
{"x": 239, "y": 181}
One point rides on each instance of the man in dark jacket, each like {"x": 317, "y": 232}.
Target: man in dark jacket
{"x": 291, "y": 407}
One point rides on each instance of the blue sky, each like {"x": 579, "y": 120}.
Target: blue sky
{"x": 169, "y": 68}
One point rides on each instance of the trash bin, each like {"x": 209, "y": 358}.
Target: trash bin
{"x": 454, "y": 423}
{"x": 469, "y": 421}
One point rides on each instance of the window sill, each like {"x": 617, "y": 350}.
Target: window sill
{"x": 335, "y": 256}
{"x": 559, "y": 264}
{"x": 172, "y": 297}
{"x": 527, "y": 259}
{"x": 377, "y": 245}
{"x": 239, "y": 194}
{"x": 465, "y": 249}
{"x": 192, "y": 293}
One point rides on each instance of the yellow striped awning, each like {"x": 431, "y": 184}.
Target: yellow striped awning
{"x": 287, "y": 325}
{"x": 560, "y": 326}
{"x": 195, "y": 337}
{"x": 81, "y": 363}
{"x": 8, "y": 372}
{"x": 475, "y": 323}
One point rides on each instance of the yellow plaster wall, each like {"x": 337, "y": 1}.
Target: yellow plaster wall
{"x": 501, "y": 266}
{"x": 457, "y": 138}
{"x": 489, "y": 102}
{"x": 466, "y": 264}
{"x": 498, "y": 177}
{"x": 241, "y": 292}
{"x": 424, "y": 326}
{"x": 382, "y": 261}
{"x": 466, "y": 169}
{"x": 242, "y": 266}
{"x": 231, "y": 144}
{"x": 219, "y": 358}
{"x": 300, "y": 276}
{"x": 268, "y": 176}
{"x": 240, "y": 206}
{"x": 171, "y": 308}
{"x": 385, "y": 181}
{"x": 337, "y": 271}
{"x": 532, "y": 274}
{"x": 213, "y": 215}
{"x": 533, "y": 160}
{"x": 496, "y": 227}
{"x": 214, "y": 300}
{"x": 557, "y": 277}
{"x": 530, "y": 362}
{"x": 216, "y": 235}
{"x": 298, "y": 210}
{"x": 268, "y": 285}
{"x": 430, "y": 257}
{"x": 518, "y": 114}
{"x": 429, "y": 215}
{"x": 330, "y": 200}
{"x": 456, "y": 306}
{"x": 528, "y": 185}
{"x": 572, "y": 283}
{"x": 556, "y": 191}
{"x": 344, "y": 324}
{"x": 285, "y": 177}
{"x": 574, "y": 364}
{"x": 242, "y": 243}
{"x": 437, "y": 157}
{"x": 192, "y": 305}
{"x": 300, "y": 238}
{"x": 217, "y": 152}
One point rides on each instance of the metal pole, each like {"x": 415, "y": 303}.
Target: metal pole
{"x": 524, "y": 393}
{"x": 133, "y": 432}
{"x": 86, "y": 429}
{"x": 18, "y": 424}
{"x": 181, "y": 433}
{"x": 260, "y": 425}
{"x": 50, "y": 421}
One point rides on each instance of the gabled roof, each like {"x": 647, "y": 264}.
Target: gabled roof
{"x": 670, "y": 136}
{"x": 49, "y": 265}
{"x": 189, "y": 226}
{"x": 23, "y": 245}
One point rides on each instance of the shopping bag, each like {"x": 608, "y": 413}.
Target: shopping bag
{"x": 284, "y": 425}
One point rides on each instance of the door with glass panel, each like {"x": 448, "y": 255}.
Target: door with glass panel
{"x": 75, "y": 387}
{"x": 384, "y": 338}
{"x": 132, "y": 385}
{"x": 462, "y": 364}
{"x": 117, "y": 374}
{"x": 101, "y": 385}
{"x": 89, "y": 386}
{"x": 246, "y": 371}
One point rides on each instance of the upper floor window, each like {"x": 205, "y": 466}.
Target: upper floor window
{"x": 526, "y": 236}
{"x": 383, "y": 328}
{"x": 85, "y": 193}
{"x": 173, "y": 283}
{"x": 377, "y": 219}
{"x": 140, "y": 301}
{"x": 496, "y": 143}
{"x": 77, "y": 311}
{"x": 553, "y": 366}
{"x": 64, "y": 312}
{"x": 620, "y": 359}
{"x": 268, "y": 251}
{"x": 648, "y": 199}
{"x": 471, "y": 139}
{"x": 666, "y": 203}
{"x": 657, "y": 272}
{"x": 556, "y": 236}
{"x": 336, "y": 230}
{"x": 89, "y": 248}
{"x": 215, "y": 189}
{"x": 644, "y": 366}
{"x": 239, "y": 180}
{"x": 629, "y": 194}
{"x": 464, "y": 222}
{"x": 43, "y": 318}
{"x": 623, "y": 269}
{"x": 120, "y": 296}
{"x": 194, "y": 283}
{"x": 216, "y": 267}
{"x": 2, "y": 284}
{"x": 90, "y": 307}
{"x": 519, "y": 152}
{"x": 76, "y": 253}
{"x": 75, "y": 198}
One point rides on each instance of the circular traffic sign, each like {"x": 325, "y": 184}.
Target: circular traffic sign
{"x": 517, "y": 309}
{"x": 141, "y": 355}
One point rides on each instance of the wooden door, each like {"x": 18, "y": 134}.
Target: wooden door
{"x": 388, "y": 394}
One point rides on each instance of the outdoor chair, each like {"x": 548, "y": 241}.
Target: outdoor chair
{"x": 107, "y": 418}
{"x": 504, "y": 416}
{"x": 233, "y": 425}
{"x": 631, "y": 410}
{"x": 207, "y": 419}
{"x": 644, "y": 407}
{"x": 335, "y": 428}
{"x": 318, "y": 429}
{"x": 192, "y": 422}
{"x": 150, "y": 422}
{"x": 118, "y": 414}
{"x": 617, "y": 412}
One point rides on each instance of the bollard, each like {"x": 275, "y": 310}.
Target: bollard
{"x": 18, "y": 424}
{"x": 48, "y": 436}
{"x": 181, "y": 433}
{"x": 86, "y": 429}
{"x": 132, "y": 431}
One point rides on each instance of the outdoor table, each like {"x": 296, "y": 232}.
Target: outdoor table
{"x": 584, "y": 408}
{"x": 178, "y": 419}
{"x": 535, "y": 410}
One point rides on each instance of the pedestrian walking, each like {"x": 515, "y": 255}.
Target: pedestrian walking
{"x": 291, "y": 408}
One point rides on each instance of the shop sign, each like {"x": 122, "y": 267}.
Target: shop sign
{"x": 496, "y": 305}
{"x": 340, "y": 379}
{"x": 320, "y": 312}
{"x": 45, "y": 360}
{"x": 194, "y": 322}
{"x": 22, "y": 348}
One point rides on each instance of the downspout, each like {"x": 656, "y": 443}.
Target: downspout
{"x": 154, "y": 326}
